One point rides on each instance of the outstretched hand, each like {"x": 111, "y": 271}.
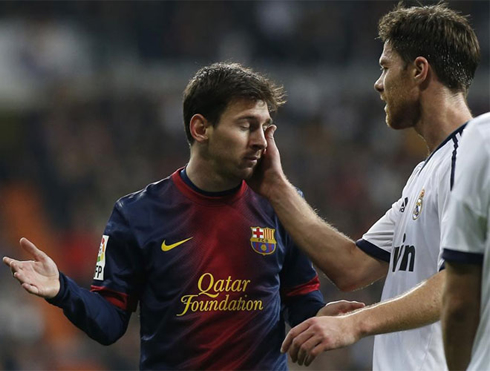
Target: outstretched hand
{"x": 268, "y": 171}
{"x": 324, "y": 332}
{"x": 39, "y": 276}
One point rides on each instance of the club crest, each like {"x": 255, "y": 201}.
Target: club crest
{"x": 263, "y": 241}
{"x": 418, "y": 205}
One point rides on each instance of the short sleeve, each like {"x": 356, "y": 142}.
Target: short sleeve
{"x": 378, "y": 240}
{"x": 464, "y": 230}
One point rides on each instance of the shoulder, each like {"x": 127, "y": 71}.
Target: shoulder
{"x": 478, "y": 131}
{"x": 144, "y": 196}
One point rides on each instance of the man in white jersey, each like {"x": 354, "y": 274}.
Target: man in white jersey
{"x": 466, "y": 243}
{"x": 429, "y": 59}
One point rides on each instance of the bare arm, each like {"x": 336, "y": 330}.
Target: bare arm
{"x": 334, "y": 253}
{"x": 335, "y": 308}
{"x": 460, "y": 312}
{"x": 416, "y": 308}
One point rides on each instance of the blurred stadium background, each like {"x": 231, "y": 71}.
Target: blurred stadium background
{"x": 90, "y": 110}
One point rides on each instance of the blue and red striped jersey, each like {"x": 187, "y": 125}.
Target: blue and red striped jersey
{"x": 215, "y": 277}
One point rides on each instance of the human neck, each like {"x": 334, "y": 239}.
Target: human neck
{"x": 203, "y": 175}
{"x": 441, "y": 116}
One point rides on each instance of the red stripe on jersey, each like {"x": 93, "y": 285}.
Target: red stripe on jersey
{"x": 305, "y": 288}
{"x": 118, "y": 299}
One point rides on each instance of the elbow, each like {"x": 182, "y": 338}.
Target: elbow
{"x": 106, "y": 336}
{"x": 348, "y": 286}
{"x": 105, "y": 339}
{"x": 356, "y": 279}
{"x": 455, "y": 310}
{"x": 347, "y": 283}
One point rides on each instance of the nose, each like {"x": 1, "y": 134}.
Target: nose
{"x": 378, "y": 84}
{"x": 258, "y": 140}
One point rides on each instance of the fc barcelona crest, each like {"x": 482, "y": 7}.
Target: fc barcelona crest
{"x": 263, "y": 241}
{"x": 418, "y": 205}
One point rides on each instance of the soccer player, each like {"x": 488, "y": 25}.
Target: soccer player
{"x": 428, "y": 61}
{"x": 465, "y": 239}
{"x": 214, "y": 272}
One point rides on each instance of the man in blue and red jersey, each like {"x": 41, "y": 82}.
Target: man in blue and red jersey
{"x": 212, "y": 269}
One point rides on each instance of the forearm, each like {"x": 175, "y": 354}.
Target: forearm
{"x": 330, "y": 250}
{"x": 419, "y": 307}
{"x": 302, "y": 307}
{"x": 90, "y": 312}
{"x": 460, "y": 314}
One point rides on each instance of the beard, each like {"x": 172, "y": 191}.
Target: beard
{"x": 402, "y": 114}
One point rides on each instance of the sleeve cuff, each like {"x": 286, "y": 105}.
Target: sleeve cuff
{"x": 373, "y": 250}
{"x": 462, "y": 257}
{"x": 61, "y": 294}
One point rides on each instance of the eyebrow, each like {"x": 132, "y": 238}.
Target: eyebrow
{"x": 269, "y": 121}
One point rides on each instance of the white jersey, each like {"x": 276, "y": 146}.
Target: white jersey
{"x": 466, "y": 231}
{"x": 408, "y": 237}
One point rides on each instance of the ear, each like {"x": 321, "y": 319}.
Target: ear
{"x": 421, "y": 70}
{"x": 199, "y": 128}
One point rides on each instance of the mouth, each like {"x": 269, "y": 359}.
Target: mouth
{"x": 252, "y": 160}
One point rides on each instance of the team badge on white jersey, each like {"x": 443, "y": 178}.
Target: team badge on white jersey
{"x": 99, "y": 267}
{"x": 418, "y": 205}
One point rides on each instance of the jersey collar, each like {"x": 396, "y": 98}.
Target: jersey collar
{"x": 450, "y": 137}
{"x": 185, "y": 185}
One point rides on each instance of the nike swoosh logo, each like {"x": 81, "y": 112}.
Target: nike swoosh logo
{"x": 170, "y": 247}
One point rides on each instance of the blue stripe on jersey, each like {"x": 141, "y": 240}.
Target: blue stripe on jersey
{"x": 373, "y": 250}
{"x": 453, "y": 162}
{"x": 462, "y": 257}
{"x": 451, "y": 136}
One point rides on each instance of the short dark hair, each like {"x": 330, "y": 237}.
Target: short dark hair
{"x": 213, "y": 87}
{"x": 441, "y": 35}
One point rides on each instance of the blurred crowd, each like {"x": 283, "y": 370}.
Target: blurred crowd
{"x": 90, "y": 110}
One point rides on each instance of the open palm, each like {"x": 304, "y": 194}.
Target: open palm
{"x": 39, "y": 276}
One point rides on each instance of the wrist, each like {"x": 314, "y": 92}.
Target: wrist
{"x": 280, "y": 190}
{"x": 361, "y": 324}
{"x": 58, "y": 290}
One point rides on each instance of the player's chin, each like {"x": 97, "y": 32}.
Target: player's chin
{"x": 246, "y": 172}
{"x": 398, "y": 124}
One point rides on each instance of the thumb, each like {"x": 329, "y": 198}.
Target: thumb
{"x": 30, "y": 248}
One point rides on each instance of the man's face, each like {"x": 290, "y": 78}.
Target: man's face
{"x": 237, "y": 141}
{"x": 397, "y": 89}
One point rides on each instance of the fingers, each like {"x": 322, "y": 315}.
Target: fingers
{"x": 304, "y": 350}
{"x": 309, "y": 359}
{"x": 14, "y": 265}
{"x": 340, "y": 307}
{"x": 292, "y": 334}
{"x": 349, "y": 306}
{"x": 301, "y": 344}
{"x": 16, "y": 269}
{"x": 31, "y": 289}
{"x": 269, "y": 133}
{"x": 269, "y": 136}
{"x": 7, "y": 261}
{"x": 30, "y": 248}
